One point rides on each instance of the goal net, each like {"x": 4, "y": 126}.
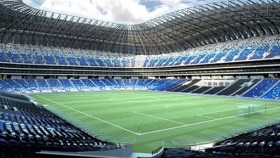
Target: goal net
{"x": 247, "y": 109}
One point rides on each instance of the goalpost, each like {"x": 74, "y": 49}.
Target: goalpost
{"x": 247, "y": 109}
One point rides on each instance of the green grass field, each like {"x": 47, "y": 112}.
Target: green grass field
{"x": 151, "y": 118}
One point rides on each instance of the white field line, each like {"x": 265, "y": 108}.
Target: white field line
{"x": 180, "y": 105}
{"x": 81, "y": 94}
{"x": 158, "y": 117}
{"x": 114, "y": 100}
{"x": 171, "y": 128}
{"x": 215, "y": 112}
{"x": 83, "y": 102}
{"x": 186, "y": 125}
{"x": 66, "y": 93}
{"x": 90, "y": 116}
{"x": 110, "y": 100}
{"x": 205, "y": 116}
{"x": 63, "y": 95}
{"x": 146, "y": 99}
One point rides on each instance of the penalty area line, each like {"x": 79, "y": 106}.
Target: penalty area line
{"x": 90, "y": 115}
{"x": 205, "y": 116}
{"x": 158, "y": 117}
{"x": 216, "y": 112}
{"x": 186, "y": 125}
{"x": 63, "y": 95}
{"x": 180, "y": 105}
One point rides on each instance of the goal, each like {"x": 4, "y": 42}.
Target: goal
{"x": 247, "y": 109}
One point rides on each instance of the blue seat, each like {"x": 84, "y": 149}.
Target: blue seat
{"x": 2, "y": 128}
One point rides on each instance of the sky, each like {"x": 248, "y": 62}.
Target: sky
{"x": 119, "y": 11}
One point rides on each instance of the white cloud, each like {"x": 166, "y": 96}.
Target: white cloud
{"x": 74, "y": 7}
{"x": 124, "y": 10}
{"x": 171, "y": 3}
{"x": 112, "y": 10}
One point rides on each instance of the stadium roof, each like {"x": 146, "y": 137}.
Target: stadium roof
{"x": 173, "y": 32}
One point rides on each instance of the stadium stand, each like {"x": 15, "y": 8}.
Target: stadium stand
{"x": 243, "y": 50}
{"x": 273, "y": 50}
{"x": 74, "y": 85}
{"x": 259, "y": 143}
{"x": 254, "y": 88}
{"x": 28, "y": 128}
{"x": 239, "y": 84}
{"x": 44, "y": 87}
{"x": 179, "y": 152}
{"x": 184, "y": 86}
{"x": 178, "y": 52}
{"x": 214, "y": 90}
{"x": 201, "y": 90}
{"x": 273, "y": 92}
{"x": 260, "y": 88}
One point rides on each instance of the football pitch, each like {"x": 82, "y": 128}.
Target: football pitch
{"x": 152, "y": 119}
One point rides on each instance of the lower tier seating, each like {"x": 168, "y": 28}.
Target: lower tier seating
{"x": 263, "y": 142}
{"x": 268, "y": 88}
{"x": 27, "y": 128}
{"x": 260, "y": 143}
{"x": 260, "y": 88}
{"x": 74, "y": 85}
{"x": 201, "y": 90}
{"x": 214, "y": 90}
{"x": 257, "y": 88}
{"x": 184, "y": 86}
{"x": 241, "y": 83}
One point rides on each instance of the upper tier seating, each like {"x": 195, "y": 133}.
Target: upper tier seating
{"x": 274, "y": 50}
{"x": 262, "y": 50}
{"x": 266, "y": 47}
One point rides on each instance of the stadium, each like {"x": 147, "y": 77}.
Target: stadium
{"x": 196, "y": 82}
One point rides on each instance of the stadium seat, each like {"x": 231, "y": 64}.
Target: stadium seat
{"x": 256, "y": 48}
{"x": 38, "y": 128}
{"x": 273, "y": 93}
{"x": 262, "y": 87}
{"x": 274, "y": 51}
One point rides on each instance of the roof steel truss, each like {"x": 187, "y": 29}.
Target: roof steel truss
{"x": 175, "y": 31}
